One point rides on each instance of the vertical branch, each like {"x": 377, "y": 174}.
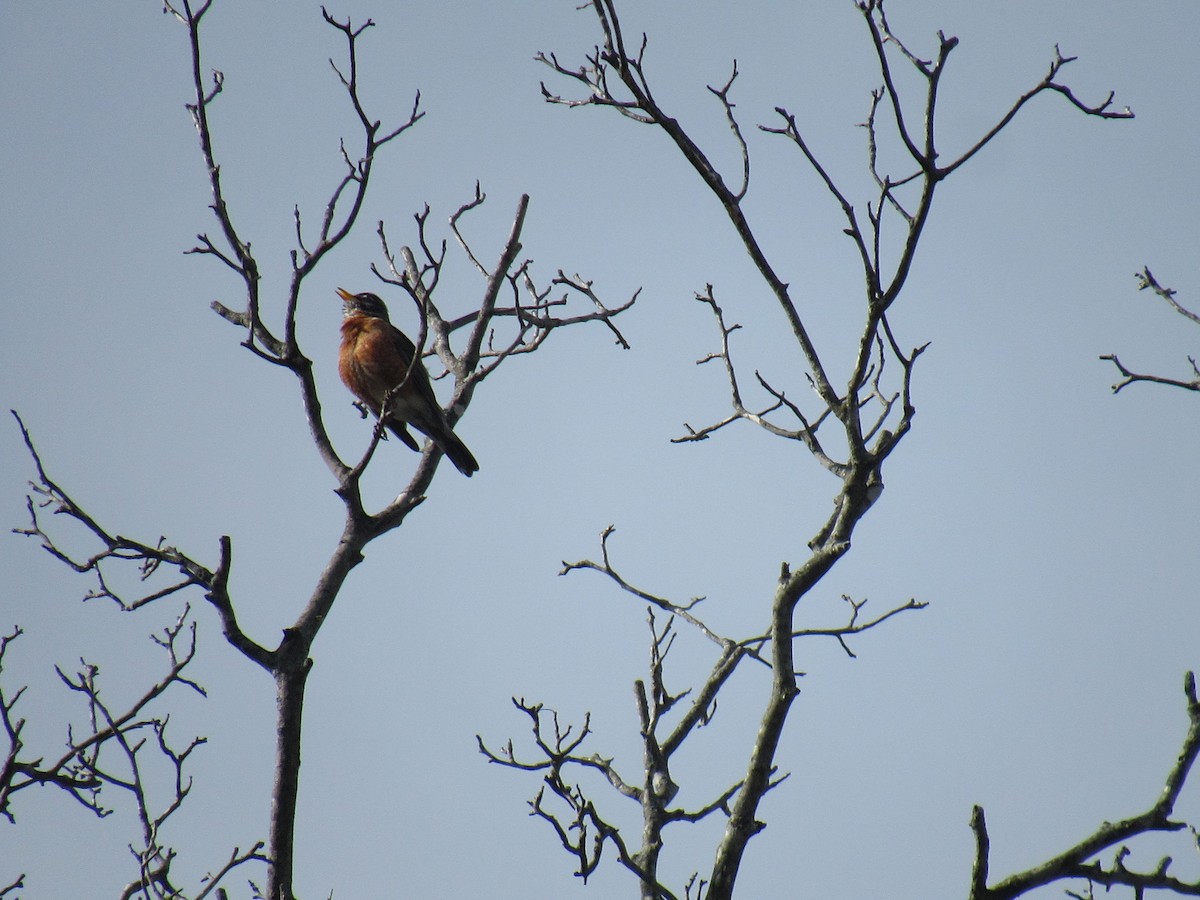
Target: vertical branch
{"x": 874, "y": 418}
{"x": 508, "y": 256}
{"x": 290, "y": 681}
{"x": 237, "y": 256}
{"x": 743, "y": 822}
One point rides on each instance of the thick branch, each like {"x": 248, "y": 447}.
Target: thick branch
{"x": 1074, "y": 862}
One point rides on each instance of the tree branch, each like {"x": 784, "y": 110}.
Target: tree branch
{"x": 1074, "y": 861}
{"x": 1147, "y": 281}
{"x": 875, "y": 409}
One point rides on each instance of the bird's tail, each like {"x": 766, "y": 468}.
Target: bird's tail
{"x": 456, "y": 451}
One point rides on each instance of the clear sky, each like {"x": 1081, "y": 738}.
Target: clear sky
{"x": 1051, "y": 526}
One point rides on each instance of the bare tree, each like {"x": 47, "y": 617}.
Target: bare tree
{"x": 125, "y": 749}
{"x": 1147, "y": 281}
{"x": 514, "y": 317}
{"x": 849, "y": 413}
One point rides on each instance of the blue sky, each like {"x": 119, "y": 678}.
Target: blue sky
{"x": 1050, "y": 525}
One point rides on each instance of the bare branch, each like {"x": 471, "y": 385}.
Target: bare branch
{"x": 583, "y": 831}
{"x": 236, "y": 858}
{"x": 1128, "y": 376}
{"x": 1147, "y": 281}
{"x": 1048, "y": 83}
{"x": 722, "y": 94}
{"x": 146, "y": 558}
{"x": 876, "y": 410}
{"x": 682, "y": 610}
{"x": 642, "y": 106}
{"x": 124, "y": 750}
{"x": 1077, "y": 861}
{"x": 853, "y": 626}
{"x": 807, "y": 433}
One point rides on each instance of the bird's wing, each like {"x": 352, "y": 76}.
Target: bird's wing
{"x": 389, "y": 355}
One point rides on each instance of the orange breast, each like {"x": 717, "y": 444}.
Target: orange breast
{"x": 375, "y": 358}
{"x": 354, "y": 365}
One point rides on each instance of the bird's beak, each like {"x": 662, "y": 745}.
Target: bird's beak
{"x": 345, "y": 295}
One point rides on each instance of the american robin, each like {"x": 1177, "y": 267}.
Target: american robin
{"x": 375, "y": 358}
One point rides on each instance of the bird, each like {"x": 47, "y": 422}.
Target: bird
{"x": 377, "y": 357}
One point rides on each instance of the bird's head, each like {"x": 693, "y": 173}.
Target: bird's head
{"x": 365, "y": 304}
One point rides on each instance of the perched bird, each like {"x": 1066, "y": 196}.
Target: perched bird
{"x": 376, "y": 357}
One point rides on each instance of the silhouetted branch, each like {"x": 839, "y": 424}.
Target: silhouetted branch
{"x": 581, "y": 829}
{"x": 338, "y": 219}
{"x": 853, "y": 626}
{"x": 116, "y": 551}
{"x": 1078, "y": 861}
{"x": 278, "y": 344}
{"x": 876, "y": 409}
{"x": 236, "y": 858}
{"x": 1048, "y": 83}
{"x": 1128, "y": 376}
{"x": 18, "y": 773}
{"x": 530, "y": 309}
{"x": 722, "y": 94}
{"x": 682, "y": 610}
{"x": 807, "y": 433}
{"x": 125, "y": 748}
{"x": 1147, "y": 281}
